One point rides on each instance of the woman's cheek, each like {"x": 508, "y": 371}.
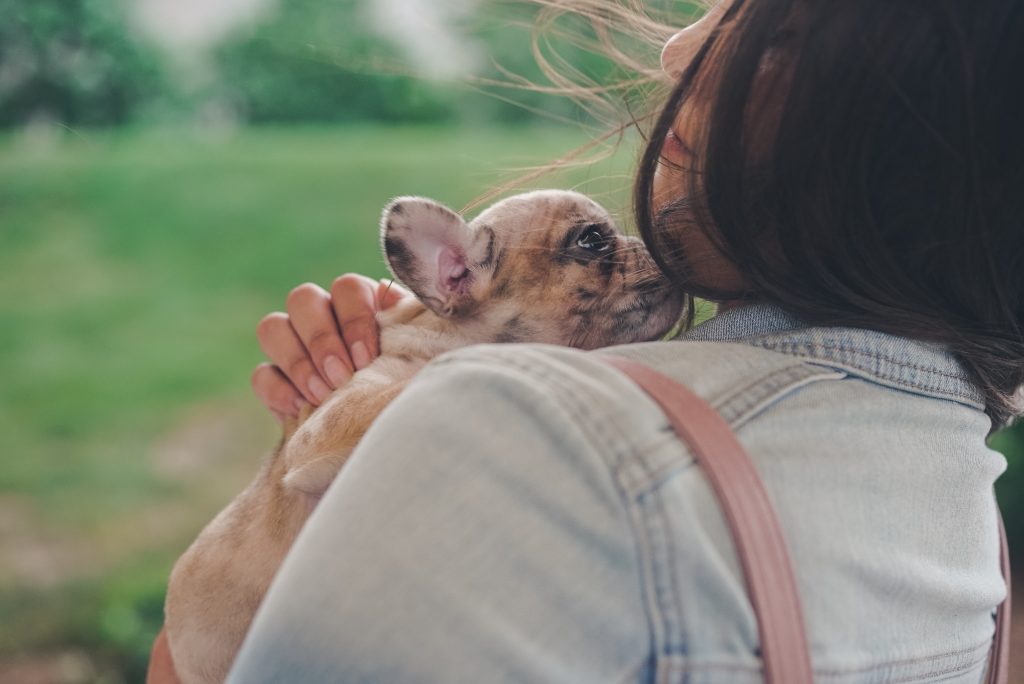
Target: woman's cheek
{"x": 707, "y": 267}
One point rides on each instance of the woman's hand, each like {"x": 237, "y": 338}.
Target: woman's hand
{"x": 161, "y": 667}
{"x": 324, "y": 338}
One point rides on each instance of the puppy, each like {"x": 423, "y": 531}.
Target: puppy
{"x": 547, "y": 266}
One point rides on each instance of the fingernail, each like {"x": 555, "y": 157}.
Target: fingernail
{"x": 319, "y": 388}
{"x": 300, "y": 404}
{"x": 337, "y": 372}
{"x": 360, "y": 355}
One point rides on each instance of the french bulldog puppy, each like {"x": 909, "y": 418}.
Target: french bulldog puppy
{"x": 547, "y": 266}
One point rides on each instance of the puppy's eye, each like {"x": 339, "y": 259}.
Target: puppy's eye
{"x": 593, "y": 240}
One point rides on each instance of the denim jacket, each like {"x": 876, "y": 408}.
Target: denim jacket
{"x": 522, "y": 513}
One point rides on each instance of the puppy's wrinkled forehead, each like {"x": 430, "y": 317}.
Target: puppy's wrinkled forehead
{"x": 542, "y": 215}
{"x": 536, "y": 257}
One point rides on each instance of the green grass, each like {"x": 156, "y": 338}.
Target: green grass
{"x": 133, "y": 270}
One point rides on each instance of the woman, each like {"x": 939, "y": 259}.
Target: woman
{"x": 844, "y": 179}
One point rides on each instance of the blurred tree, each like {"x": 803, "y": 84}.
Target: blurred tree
{"x": 1009, "y": 487}
{"x": 315, "y": 61}
{"x": 72, "y": 61}
{"x": 77, "y": 62}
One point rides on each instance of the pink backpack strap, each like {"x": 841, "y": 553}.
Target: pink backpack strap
{"x": 760, "y": 545}
{"x": 999, "y": 662}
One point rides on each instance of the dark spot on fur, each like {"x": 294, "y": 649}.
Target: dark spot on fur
{"x": 514, "y": 331}
{"x": 585, "y": 295}
{"x": 580, "y": 311}
{"x": 397, "y": 209}
{"x": 402, "y": 260}
{"x": 565, "y": 250}
{"x": 502, "y": 288}
{"x": 488, "y": 233}
{"x": 584, "y": 319}
{"x": 626, "y": 324}
{"x": 499, "y": 259}
{"x": 569, "y": 239}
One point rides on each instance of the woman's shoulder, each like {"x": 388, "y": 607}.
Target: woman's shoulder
{"x": 714, "y": 370}
{"x": 581, "y": 396}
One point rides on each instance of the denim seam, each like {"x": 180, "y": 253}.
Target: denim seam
{"x": 795, "y": 345}
{"x": 601, "y": 435}
{"x": 645, "y": 469}
{"x": 671, "y": 609}
{"x": 975, "y": 658}
{"x": 743, "y": 404}
{"x": 652, "y": 463}
{"x": 917, "y": 388}
{"x": 910, "y": 661}
{"x": 652, "y": 526}
{"x": 937, "y": 386}
{"x": 671, "y": 629}
{"x": 778, "y": 383}
{"x": 606, "y": 438}
{"x": 952, "y": 669}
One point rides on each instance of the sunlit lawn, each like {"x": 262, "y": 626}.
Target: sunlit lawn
{"x": 133, "y": 269}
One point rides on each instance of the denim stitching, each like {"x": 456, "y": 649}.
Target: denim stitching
{"x": 952, "y": 669}
{"x": 909, "y": 661}
{"x": 811, "y": 346}
{"x": 624, "y": 451}
{"x": 604, "y": 436}
{"x": 778, "y": 384}
{"x": 672, "y": 613}
{"x": 805, "y": 350}
{"x": 657, "y": 538}
{"x": 656, "y": 461}
{"x": 735, "y": 409}
{"x": 666, "y": 593}
{"x": 840, "y": 673}
{"x": 743, "y": 404}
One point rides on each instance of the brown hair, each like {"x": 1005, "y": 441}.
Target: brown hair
{"x": 888, "y": 190}
{"x": 629, "y": 33}
{"x": 892, "y": 193}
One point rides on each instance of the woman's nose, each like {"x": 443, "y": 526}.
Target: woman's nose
{"x": 681, "y": 48}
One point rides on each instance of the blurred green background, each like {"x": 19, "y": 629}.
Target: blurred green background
{"x": 168, "y": 172}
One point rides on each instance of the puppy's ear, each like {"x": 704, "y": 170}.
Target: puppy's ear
{"x": 430, "y": 248}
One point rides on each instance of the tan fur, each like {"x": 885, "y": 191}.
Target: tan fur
{"x": 527, "y": 281}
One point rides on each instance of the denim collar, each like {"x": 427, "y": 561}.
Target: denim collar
{"x": 897, "y": 362}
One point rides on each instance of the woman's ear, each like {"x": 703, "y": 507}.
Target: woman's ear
{"x": 426, "y": 246}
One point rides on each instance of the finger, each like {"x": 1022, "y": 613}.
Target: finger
{"x": 276, "y": 392}
{"x": 390, "y": 293}
{"x": 282, "y": 345}
{"x": 161, "y": 667}
{"x": 355, "y": 303}
{"x": 312, "y": 317}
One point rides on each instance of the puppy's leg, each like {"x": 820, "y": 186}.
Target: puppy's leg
{"x": 219, "y": 582}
